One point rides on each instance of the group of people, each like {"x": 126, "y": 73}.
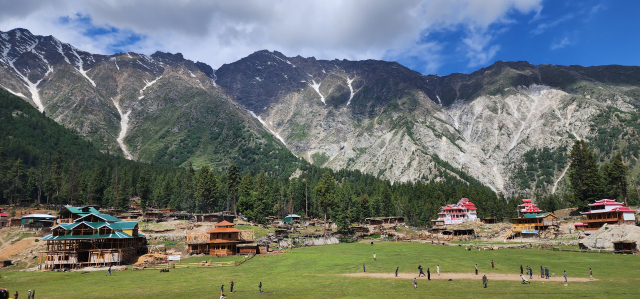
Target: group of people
{"x": 30, "y": 295}
{"x": 231, "y": 283}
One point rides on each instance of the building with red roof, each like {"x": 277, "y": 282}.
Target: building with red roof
{"x": 463, "y": 211}
{"x": 223, "y": 240}
{"x": 4, "y": 218}
{"x": 528, "y": 207}
{"x": 605, "y": 211}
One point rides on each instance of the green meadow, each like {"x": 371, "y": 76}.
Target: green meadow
{"x": 314, "y": 272}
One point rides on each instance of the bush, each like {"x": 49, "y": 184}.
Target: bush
{"x": 37, "y": 240}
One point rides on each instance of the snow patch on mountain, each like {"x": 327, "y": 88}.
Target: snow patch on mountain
{"x": 115, "y": 62}
{"x": 13, "y": 92}
{"x": 80, "y": 68}
{"x": 350, "y": 89}
{"x": 147, "y": 84}
{"x": 124, "y": 126}
{"x": 316, "y": 87}
{"x": 267, "y": 127}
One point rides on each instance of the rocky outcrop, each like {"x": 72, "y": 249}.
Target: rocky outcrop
{"x": 604, "y": 237}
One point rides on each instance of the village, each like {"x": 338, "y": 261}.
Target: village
{"x": 77, "y": 238}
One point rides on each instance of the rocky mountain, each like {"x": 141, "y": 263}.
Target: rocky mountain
{"x": 161, "y": 108}
{"x": 509, "y": 125}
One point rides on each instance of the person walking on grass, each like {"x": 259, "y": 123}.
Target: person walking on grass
{"x": 374, "y": 256}
{"x": 476, "y": 269}
{"x": 484, "y": 280}
{"x": 421, "y": 271}
{"x": 590, "y": 274}
{"x": 260, "y": 287}
{"x": 428, "y": 274}
{"x": 438, "y": 269}
{"x": 364, "y": 269}
{"x": 521, "y": 270}
{"x": 530, "y": 270}
{"x": 491, "y": 264}
{"x": 565, "y": 275}
{"x": 231, "y": 285}
{"x": 541, "y": 272}
{"x": 415, "y": 283}
{"x": 546, "y": 272}
{"x": 222, "y": 290}
{"x": 109, "y": 271}
{"x": 397, "y": 271}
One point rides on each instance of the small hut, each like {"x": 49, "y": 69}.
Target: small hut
{"x": 291, "y": 218}
{"x": 625, "y": 246}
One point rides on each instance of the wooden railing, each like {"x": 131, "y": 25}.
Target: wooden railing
{"x": 602, "y": 219}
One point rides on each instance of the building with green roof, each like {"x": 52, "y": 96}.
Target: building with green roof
{"x": 91, "y": 239}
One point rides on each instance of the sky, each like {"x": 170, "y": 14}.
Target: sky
{"x": 430, "y": 36}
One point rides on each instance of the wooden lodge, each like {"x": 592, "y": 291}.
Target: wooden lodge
{"x": 223, "y": 240}
{"x": 70, "y": 214}
{"x": 605, "y": 211}
{"x": 532, "y": 221}
{"x": 91, "y": 240}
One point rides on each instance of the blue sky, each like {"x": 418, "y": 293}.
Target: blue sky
{"x": 429, "y": 36}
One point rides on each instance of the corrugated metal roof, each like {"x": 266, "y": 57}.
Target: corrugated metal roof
{"x": 105, "y": 217}
{"x": 115, "y": 235}
{"x": 541, "y": 215}
{"x": 78, "y": 210}
{"x": 38, "y": 216}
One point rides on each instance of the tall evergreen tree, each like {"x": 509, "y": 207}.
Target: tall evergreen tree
{"x": 584, "y": 177}
{"x": 617, "y": 179}
{"x": 325, "y": 192}
{"x": 233, "y": 179}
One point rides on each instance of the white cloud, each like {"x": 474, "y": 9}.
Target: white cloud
{"x": 478, "y": 49}
{"x": 561, "y": 44}
{"x": 223, "y": 31}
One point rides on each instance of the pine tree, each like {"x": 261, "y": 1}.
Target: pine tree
{"x": 617, "y": 182}
{"x": 144, "y": 190}
{"x": 584, "y": 176}
{"x": 74, "y": 181}
{"x": 233, "y": 179}
{"x": 325, "y": 192}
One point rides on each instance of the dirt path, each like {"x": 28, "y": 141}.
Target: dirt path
{"x": 490, "y": 276}
{"x": 17, "y": 248}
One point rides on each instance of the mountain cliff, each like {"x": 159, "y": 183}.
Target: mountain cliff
{"x": 160, "y": 108}
{"x": 509, "y": 125}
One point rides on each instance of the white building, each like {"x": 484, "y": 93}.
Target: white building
{"x": 463, "y": 211}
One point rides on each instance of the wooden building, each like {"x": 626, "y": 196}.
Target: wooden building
{"x": 530, "y": 225}
{"x": 223, "y": 240}
{"x": 4, "y": 218}
{"x": 606, "y": 211}
{"x": 625, "y": 246}
{"x": 91, "y": 240}
{"x": 70, "y": 214}
{"x": 37, "y": 221}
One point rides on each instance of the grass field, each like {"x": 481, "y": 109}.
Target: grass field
{"x": 313, "y": 272}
